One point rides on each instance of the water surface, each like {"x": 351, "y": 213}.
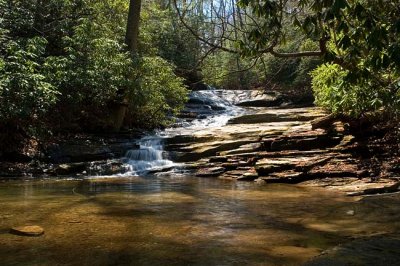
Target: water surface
{"x": 181, "y": 220}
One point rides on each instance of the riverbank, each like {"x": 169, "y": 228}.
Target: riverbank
{"x": 297, "y": 146}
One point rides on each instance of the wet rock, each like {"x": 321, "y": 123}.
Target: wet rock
{"x": 30, "y": 230}
{"x": 232, "y": 165}
{"x": 110, "y": 167}
{"x": 210, "y": 172}
{"x": 267, "y": 166}
{"x": 380, "y": 190}
{"x": 187, "y": 114}
{"x": 284, "y": 177}
{"x": 248, "y": 177}
{"x": 233, "y": 174}
{"x": 291, "y": 153}
{"x": 70, "y": 168}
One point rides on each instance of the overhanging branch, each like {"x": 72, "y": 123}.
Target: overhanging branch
{"x": 269, "y": 49}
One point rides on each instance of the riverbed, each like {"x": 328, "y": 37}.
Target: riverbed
{"x": 181, "y": 220}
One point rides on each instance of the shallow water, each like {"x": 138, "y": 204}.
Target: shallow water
{"x": 180, "y": 220}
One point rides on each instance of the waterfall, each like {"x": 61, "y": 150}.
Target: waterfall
{"x": 213, "y": 108}
{"x": 149, "y": 156}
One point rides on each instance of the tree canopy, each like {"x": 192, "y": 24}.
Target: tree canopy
{"x": 359, "y": 39}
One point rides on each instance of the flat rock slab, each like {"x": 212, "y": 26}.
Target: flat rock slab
{"x": 30, "y": 230}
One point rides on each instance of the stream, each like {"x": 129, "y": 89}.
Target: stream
{"x": 151, "y": 217}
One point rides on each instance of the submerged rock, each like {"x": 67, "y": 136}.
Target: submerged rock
{"x": 29, "y": 230}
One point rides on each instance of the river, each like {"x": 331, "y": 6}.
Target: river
{"x": 175, "y": 218}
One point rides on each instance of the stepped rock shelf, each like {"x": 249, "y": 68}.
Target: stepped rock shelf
{"x": 278, "y": 146}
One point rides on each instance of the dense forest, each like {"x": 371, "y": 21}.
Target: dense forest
{"x": 71, "y": 66}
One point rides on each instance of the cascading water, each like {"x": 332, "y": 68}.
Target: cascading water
{"x": 149, "y": 156}
{"x": 213, "y": 108}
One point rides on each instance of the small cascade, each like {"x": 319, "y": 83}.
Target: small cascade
{"x": 149, "y": 156}
{"x": 212, "y": 108}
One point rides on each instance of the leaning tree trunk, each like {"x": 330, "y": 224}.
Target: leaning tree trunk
{"x": 132, "y": 42}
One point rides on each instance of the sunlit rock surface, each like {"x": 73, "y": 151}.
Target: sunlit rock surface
{"x": 28, "y": 230}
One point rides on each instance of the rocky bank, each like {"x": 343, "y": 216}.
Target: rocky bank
{"x": 286, "y": 145}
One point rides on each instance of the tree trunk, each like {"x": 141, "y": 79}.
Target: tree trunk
{"x": 132, "y": 42}
{"x": 132, "y": 27}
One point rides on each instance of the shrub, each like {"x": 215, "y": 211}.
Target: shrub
{"x": 354, "y": 99}
{"x": 157, "y": 95}
{"x": 25, "y": 93}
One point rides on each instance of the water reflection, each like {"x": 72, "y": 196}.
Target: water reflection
{"x": 181, "y": 220}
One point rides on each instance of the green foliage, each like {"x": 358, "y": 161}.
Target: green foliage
{"x": 335, "y": 94}
{"x": 65, "y": 63}
{"x": 93, "y": 69}
{"x": 306, "y": 64}
{"x": 25, "y": 93}
{"x": 228, "y": 71}
{"x": 361, "y": 36}
{"x": 161, "y": 94}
